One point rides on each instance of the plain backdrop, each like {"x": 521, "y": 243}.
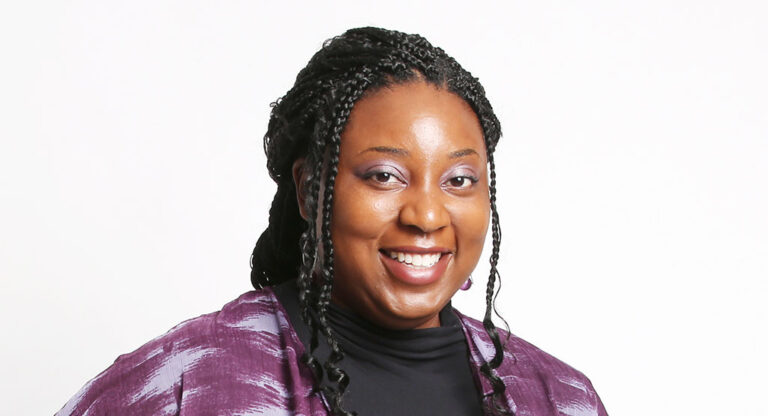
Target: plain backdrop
{"x": 632, "y": 180}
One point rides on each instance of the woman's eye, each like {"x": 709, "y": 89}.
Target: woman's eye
{"x": 461, "y": 182}
{"x": 382, "y": 177}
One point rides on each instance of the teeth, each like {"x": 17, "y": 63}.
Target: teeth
{"x": 416, "y": 260}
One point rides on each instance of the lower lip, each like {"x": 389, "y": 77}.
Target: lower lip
{"x": 413, "y": 275}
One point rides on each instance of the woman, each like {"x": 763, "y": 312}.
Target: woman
{"x": 383, "y": 156}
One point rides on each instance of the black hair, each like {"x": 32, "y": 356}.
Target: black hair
{"x": 307, "y": 123}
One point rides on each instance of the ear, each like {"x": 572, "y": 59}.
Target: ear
{"x": 298, "y": 181}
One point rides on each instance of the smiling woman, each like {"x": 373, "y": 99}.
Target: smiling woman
{"x": 383, "y": 156}
{"x": 411, "y": 207}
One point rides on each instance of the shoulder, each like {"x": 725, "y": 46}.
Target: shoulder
{"x": 535, "y": 380}
{"x": 151, "y": 379}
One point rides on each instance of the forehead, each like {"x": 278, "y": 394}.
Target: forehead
{"x": 416, "y": 116}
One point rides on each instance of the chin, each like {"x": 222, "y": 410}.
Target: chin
{"x": 412, "y": 310}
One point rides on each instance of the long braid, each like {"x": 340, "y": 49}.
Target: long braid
{"x": 308, "y": 122}
{"x": 352, "y": 92}
{"x": 309, "y": 299}
{"x": 487, "y": 368}
{"x": 335, "y": 374}
{"x": 309, "y": 249}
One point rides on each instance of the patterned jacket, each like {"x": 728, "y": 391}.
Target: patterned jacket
{"x": 246, "y": 360}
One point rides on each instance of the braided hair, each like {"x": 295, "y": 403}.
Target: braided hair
{"x": 307, "y": 123}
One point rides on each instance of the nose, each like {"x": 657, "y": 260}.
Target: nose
{"x": 424, "y": 211}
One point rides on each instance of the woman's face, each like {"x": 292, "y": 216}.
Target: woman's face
{"x": 411, "y": 205}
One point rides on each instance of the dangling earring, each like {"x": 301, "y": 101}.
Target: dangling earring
{"x": 467, "y": 284}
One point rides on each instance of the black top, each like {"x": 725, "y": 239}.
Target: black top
{"x": 396, "y": 372}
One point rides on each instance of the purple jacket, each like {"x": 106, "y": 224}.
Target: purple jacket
{"x": 246, "y": 360}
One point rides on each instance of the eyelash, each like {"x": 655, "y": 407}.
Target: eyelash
{"x": 472, "y": 180}
{"x": 374, "y": 174}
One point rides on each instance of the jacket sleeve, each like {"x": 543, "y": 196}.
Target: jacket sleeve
{"x": 147, "y": 381}
{"x": 600, "y": 407}
{"x": 595, "y": 398}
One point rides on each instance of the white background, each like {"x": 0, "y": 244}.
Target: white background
{"x": 632, "y": 180}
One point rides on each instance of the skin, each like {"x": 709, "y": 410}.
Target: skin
{"x": 412, "y": 173}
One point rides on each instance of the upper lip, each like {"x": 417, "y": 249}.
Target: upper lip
{"x": 418, "y": 250}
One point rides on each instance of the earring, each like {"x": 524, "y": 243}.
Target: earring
{"x": 467, "y": 284}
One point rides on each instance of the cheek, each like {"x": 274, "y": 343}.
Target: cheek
{"x": 471, "y": 220}
{"x": 358, "y": 214}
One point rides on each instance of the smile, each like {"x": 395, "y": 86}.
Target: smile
{"x": 416, "y": 260}
{"x": 416, "y": 266}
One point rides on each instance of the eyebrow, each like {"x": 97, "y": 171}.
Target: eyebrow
{"x": 462, "y": 152}
{"x": 402, "y": 152}
{"x": 385, "y": 149}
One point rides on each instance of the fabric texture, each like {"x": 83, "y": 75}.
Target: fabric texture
{"x": 246, "y": 360}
